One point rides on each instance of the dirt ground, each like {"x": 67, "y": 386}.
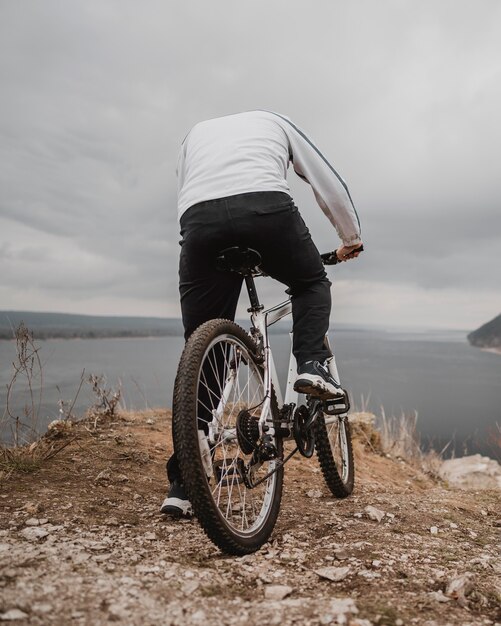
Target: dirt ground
{"x": 82, "y": 542}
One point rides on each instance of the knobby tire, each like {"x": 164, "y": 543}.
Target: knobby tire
{"x": 186, "y": 443}
{"x": 339, "y": 485}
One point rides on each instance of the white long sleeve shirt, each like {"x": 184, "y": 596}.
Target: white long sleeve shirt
{"x": 251, "y": 151}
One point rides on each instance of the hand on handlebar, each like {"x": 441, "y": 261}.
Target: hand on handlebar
{"x": 345, "y": 253}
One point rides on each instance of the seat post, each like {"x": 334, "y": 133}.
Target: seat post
{"x": 253, "y": 297}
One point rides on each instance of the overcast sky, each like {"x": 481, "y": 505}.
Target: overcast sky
{"x": 403, "y": 96}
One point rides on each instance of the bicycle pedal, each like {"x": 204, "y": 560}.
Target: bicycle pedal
{"x": 337, "y": 406}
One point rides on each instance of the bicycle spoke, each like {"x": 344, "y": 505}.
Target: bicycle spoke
{"x": 219, "y": 397}
{"x": 230, "y": 383}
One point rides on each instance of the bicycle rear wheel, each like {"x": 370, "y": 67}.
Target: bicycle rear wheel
{"x": 335, "y": 453}
{"x": 218, "y": 400}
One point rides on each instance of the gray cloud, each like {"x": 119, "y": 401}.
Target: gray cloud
{"x": 403, "y": 97}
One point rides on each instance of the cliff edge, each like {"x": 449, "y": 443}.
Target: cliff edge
{"x": 82, "y": 542}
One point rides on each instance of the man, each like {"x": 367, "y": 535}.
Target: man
{"x": 232, "y": 190}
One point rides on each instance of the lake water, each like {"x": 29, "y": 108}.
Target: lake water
{"x": 455, "y": 389}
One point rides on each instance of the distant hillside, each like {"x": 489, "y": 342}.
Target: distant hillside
{"x": 68, "y": 326}
{"x": 488, "y": 335}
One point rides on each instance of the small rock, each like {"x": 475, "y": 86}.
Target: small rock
{"x": 32, "y": 521}
{"x": 97, "y": 546}
{"x": 314, "y": 493}
{"x": 341, "y": 554}
{"x": 77, "y": 614}
{"x": 79, "y": 557}
{"x": 373, "y": 513}
{"x": 434, "y": 530}
{"x": 453, "y": 525}
{"x": 368, "y": 574}
{"x": 190, "y": 586}
{"x": 277, "y": 592}
{"x": 439, "y": 596}
{"x": 58, "y": 427}
{"x": 459, "y": 587}
{"x": 33, "y": 533}
{"x": 103, "y": 476}
{"x": 472, "y": 472}
{"x": 33, "y": 507}
{"x": 334, "y": 574}
{"x": 148, "y": 569}
{"x": 121, "y": 478}
{"x": 149, "y": 536}
{"x": 117, "y": 612}
{"x": 342, "y": 607}
{"x": 42, "y": 607}
{"x": 13, "y": 614}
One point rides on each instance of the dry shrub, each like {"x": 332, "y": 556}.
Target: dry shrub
{"x": 364, "y": 429}
{"x": 27, "y": 449}
{"x": 27, "y": 373}
{"x": 395, "y": 437}
{"x": 107, "y": 404}
{"x": 29, "y": 457}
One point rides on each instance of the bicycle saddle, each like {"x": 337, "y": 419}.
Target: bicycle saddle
{"x": 241, "y": 260}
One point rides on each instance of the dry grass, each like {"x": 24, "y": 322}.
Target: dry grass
{"x": 27, "y": 374}
{"x": 29, "y": 457}
{"x": 28, "y": 449}
{"x": 395, "y": 437}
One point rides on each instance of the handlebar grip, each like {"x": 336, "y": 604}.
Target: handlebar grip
{"x": 330, "y": 258}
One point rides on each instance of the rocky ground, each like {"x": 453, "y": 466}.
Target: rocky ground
{"x": 82, "y": 542}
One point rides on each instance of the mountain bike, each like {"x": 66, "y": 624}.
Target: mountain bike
{"x": 230, "y": 421}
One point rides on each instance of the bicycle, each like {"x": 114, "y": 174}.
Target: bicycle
{"x": 230, "y": 421}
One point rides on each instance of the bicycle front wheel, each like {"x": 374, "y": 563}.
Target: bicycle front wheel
{"x": 335, "y": 453}
{"x": 219, "y": 397}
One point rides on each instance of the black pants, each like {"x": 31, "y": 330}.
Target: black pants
{"x": 270, "y": 223}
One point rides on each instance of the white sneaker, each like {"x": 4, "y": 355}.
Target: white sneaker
{"x": 176, "y": 503}
{"x": 314, "y": 379}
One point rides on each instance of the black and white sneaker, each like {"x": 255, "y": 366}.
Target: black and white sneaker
{"x": 176, "y": 503}
{"x": 314, "y": 379}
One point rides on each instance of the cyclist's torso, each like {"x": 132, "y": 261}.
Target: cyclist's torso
{"x": 231, "y": 155}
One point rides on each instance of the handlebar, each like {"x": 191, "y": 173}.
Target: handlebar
{"x": 330, "y": 258}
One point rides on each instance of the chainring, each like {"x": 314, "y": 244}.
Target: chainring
{"x": 303, "y": 432}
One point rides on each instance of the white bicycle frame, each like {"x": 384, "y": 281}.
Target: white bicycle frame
{"x": 262, "y": 320}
